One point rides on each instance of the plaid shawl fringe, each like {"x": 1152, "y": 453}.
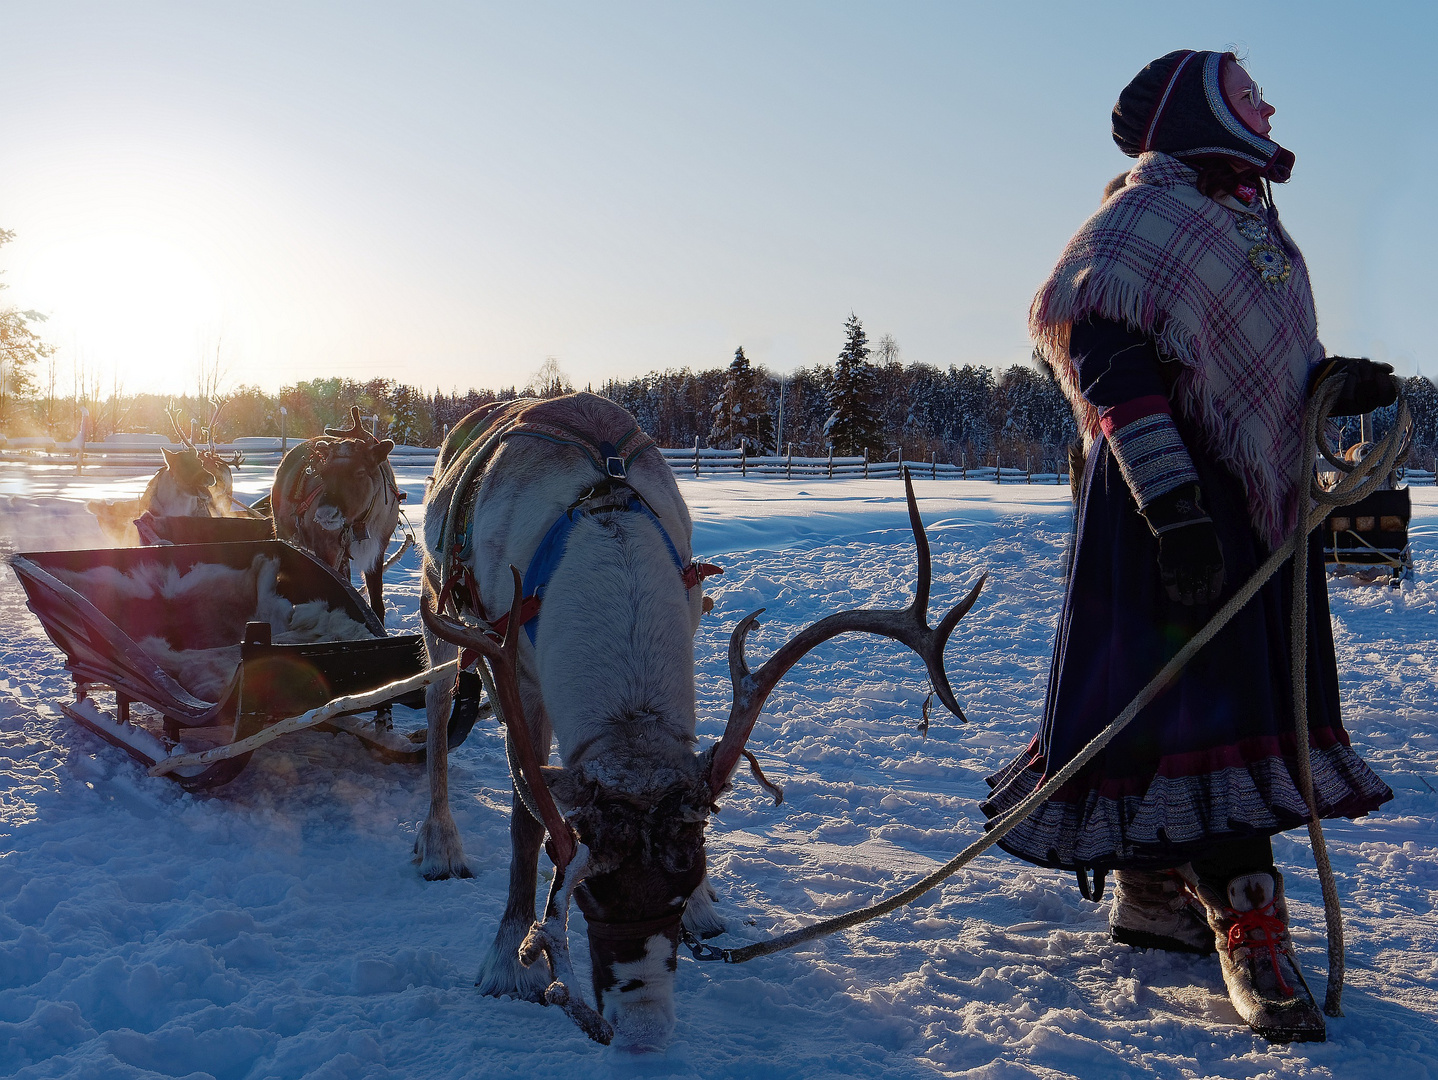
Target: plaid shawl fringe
{"x": 1251, "y": 418}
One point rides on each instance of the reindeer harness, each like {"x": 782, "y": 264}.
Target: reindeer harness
{"x": 311, "y": 481}
{"x": 613, "y": 494}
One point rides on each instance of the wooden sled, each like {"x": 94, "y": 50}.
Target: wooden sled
{"x": 1371, "y": 536}
{"x": 276, "y": 688}
{"x": 203, "y": 530}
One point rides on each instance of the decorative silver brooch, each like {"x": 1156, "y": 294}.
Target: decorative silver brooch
{"x": 1268, "y": 258}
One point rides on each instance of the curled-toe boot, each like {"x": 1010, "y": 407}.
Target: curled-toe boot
{"x": 1265, "y": 983}
{"x": 1156, "y": 909}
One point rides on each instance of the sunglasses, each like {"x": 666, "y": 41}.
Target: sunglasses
{"x": 1254, "y": 93}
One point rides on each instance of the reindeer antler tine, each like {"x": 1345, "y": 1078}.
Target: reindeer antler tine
{"x": 938, "y": 641}
{"x": 921, "y": 541}
{"x": 961, "y": 609}
{"x": 356, "y": 430}
{"x": 738, "y": 666}
{"x": 185, "y": 440}
{"x": 502, "y": 662}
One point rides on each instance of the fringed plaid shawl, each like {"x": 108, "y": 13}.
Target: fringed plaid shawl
{"x": 1171, "y": 262}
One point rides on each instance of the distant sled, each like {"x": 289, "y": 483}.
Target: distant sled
{"x": 1368, "y": 539}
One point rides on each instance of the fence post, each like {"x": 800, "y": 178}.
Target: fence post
{"x": 743, "y": 460}
{"x": 964, "y": 465}
{"x": 831, "y": 461}
{"x": 1029, "y": 467}
{"x": 998, "y": 469}
{"x": 934, "y": 465}
{"x": 696, "y": 456}
{"x": 789, "y": 465}
{"x": 866, "y": 463}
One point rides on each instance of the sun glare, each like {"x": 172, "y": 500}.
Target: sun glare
{"x": 133, "y": 309}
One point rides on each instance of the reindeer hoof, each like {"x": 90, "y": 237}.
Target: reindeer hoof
{"x": 503, "y": 975}
{"x": 439, "y": 852}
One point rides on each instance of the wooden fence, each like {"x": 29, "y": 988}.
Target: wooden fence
{"x": 143, "y": 453}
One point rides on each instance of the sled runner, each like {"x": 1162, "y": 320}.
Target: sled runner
{"x": 218, "y": 642}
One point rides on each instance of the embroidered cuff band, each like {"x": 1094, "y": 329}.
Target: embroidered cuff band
{"x": 1150, "y": 452}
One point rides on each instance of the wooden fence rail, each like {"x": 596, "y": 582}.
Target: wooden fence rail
{"x": 691, "y": 461}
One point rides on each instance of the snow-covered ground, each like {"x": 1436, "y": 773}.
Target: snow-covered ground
{"x": 277, "y": 928}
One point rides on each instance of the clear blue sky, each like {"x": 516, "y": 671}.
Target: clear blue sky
{"x": 447, "y": 194}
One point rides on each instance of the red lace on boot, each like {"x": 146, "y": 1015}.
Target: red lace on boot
{"x": 1245, "y": 923}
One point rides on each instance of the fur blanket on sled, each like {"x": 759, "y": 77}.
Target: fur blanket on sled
{"x": 191, "y": 623}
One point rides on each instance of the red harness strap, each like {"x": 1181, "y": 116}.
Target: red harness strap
{"x": 696, "y": 572}
{"x": 528, "y": 609}
{"x": 461, "y": 576}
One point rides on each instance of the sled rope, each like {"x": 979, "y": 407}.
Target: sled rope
{"x": 1364, "y": 479}
{"x": 1351, "y": 488}
{"x": 341, "y": 706}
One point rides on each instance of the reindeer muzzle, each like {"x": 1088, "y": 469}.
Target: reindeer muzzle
{"x": 632, "y": 966}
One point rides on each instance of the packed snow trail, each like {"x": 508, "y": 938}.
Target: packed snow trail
{"x": 279, "y": 929}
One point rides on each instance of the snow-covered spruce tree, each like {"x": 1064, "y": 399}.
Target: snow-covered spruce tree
{"x": 741, "y": 414}
{"x": 853, "y": 423}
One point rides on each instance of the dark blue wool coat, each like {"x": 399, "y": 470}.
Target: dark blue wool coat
{"x": 1212, "y": 758}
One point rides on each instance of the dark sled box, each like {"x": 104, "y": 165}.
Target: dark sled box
{"x": 98, "y": 629}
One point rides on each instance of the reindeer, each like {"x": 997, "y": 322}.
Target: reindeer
{"x": 222, "y": 491}
{"x": 336, "y": 495}
{"x": 193, "y": 482}
{"x": 221, "y": 467}
{"x": 603, "y": 664}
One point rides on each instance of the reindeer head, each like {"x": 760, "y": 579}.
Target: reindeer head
{"x": 221, "y": 485}
{"x": 183, "y": 486}
{"x": 351, "y": 481}
{"x": 646, "y": 859}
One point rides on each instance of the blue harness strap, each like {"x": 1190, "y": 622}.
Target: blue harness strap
{"x": 551, "y": 549}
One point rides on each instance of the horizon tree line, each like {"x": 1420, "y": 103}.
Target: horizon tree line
{"x": 971, "y": 414}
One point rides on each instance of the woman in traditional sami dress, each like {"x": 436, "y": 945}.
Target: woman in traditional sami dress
{"x": 1180, "y": 323}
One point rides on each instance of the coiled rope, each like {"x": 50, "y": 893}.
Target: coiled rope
{"x": 1365, "y": 478}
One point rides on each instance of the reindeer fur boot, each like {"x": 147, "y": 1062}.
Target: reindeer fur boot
{"x": 1156, "y": 909}
{"x": 1265, "y": 984}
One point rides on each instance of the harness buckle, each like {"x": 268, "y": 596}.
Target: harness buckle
{"x": 613, "y": 463}
{"x": 703, "y": 952}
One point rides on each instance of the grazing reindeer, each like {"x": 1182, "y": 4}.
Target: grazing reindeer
{"x": 336, "y": 495}
{"x": 604, "y": 665}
